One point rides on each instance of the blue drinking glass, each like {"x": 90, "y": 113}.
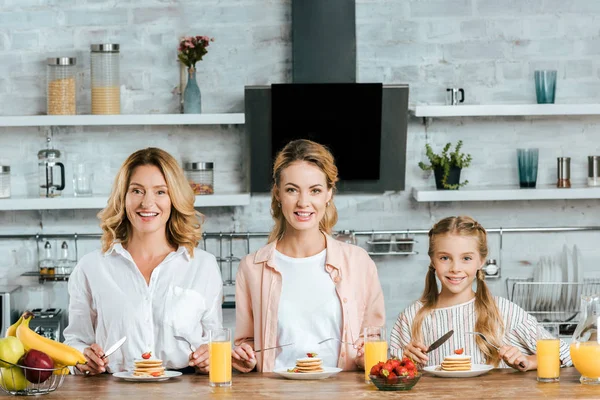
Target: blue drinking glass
{"x": 528, "y": 167}
{"x": 545, "y": 86}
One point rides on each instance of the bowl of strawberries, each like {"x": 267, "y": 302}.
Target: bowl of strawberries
{"x": 395, "y": 374}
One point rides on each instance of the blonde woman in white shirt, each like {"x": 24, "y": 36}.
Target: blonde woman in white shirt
{"x": 149, "y": 282}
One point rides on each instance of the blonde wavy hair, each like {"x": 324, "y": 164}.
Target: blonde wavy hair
{"x": 184, "y": 227}
{"x": 313, "y": 153}
{"x": 489, "y": 321}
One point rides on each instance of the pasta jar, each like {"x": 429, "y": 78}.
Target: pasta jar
{"x": 61, "y": 86}
{"x": 106, "y": 96}
{"x": 4, "y": 181}
{"x": 200, "y": 176}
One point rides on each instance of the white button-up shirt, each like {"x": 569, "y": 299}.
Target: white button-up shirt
{"x": 109, "y": 299}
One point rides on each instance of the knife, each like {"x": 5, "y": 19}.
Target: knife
{"x": 114, "y": 347}
{"x": 440, "y": 341}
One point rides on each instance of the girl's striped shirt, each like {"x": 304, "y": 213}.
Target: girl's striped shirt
{"x": 520, "y": 331}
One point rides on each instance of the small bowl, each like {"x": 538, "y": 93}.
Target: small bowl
{"x": 399, "y": 383}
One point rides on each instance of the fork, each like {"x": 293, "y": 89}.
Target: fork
{"x": 271, "y": 348}
{"x": 181, "y": 338}
{"x": 332, "y": 338}
{"x": 490, "y": 343}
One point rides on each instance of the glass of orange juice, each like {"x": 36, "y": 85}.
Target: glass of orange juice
{"x": 376, "y": 348}
{"x": 219, "y": 357}
{"x": 548, "y": 353}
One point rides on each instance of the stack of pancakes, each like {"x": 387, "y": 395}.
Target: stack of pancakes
{"x": 308, "y": 364}
{"x": 456, "y": 363}
{"x": 150, "y": 368}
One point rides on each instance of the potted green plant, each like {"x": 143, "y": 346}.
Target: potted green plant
{"x": 447, "y": 166}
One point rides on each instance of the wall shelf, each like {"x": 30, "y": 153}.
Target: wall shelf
{"x": 502, "y": 193}
{"x": 123, "y": 119}
{"x": 430, "y": 111}
{"x": 99, "y": 202}
{"x": 47, "y": 277}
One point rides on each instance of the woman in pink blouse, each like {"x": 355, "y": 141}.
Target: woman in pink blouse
{"x": 304, "y": 287}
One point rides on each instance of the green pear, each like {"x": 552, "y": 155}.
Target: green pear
{"x": 13, "y": 379}
{"x": 11, "y": 350}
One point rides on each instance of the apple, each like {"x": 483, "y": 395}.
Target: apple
{"x": 36, "y": 359}
{"x": 11, "y": 349}
{"x": 13, "y": 379}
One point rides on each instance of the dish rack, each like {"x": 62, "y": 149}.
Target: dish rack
{"x": 551, "y": 302}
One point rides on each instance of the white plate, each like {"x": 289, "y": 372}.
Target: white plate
{"x": 570, "y": 278}
{"x": 476, "y": 370}
{"x": 327, "y": 372}
{"x": 578, "y": 267}
{"x": 128, "y": 376}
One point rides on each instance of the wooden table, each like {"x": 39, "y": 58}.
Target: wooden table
{"x": 346, "y": 385}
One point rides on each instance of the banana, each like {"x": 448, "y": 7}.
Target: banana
{"x": 62, "y": 371}
{"x": 12, "y": 330}
{"x": 61, "y": 353}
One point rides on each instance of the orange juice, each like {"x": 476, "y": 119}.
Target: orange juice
{"x": 219, "y": 363}
{"x": 586, "y": 358}
{"x": 548, "y": 359}
{"x": 374, "y": 352}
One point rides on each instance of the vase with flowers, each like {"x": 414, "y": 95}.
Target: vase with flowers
{"x": 191, "y": 50}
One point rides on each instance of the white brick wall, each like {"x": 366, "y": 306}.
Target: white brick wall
{"x": 488, "y": 47}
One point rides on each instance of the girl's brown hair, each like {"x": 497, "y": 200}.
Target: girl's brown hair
{"x": 184, "y": 227}
{"x": 489, "y": 322}
{"x": 313, "y": 153}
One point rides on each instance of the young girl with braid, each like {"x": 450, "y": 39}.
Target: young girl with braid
{"x": 458, "y": 250}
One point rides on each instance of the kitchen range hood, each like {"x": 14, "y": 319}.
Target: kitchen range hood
{"x": 363, "y": 124}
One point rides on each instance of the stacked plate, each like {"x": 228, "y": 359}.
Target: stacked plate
{"x": 557, "y": 281}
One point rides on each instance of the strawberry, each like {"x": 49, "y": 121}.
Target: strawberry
{"x": 387, "y": 366}
{"x": 410, "y": 366}
{"x": 459, "y": 351}
{"x": 311, "y": 355}
{"x": 147, "y": 355}
{"x": 375, "y": 370}
{"x": 156, "y": 374}
{"x": 392, "y": 378}
{"x": 403, "y": 371}
{"x": 395, "y": 363}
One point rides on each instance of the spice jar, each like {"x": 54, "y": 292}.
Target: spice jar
{"x": 563, "y": 172}
{"x": 4, "y": 181}
{"x": 106, "y": 96}
{"x": 200, "y": 176}
{"x": 61, "y": 86}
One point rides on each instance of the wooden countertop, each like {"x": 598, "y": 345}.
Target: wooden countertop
{"x": 493, "y": 385}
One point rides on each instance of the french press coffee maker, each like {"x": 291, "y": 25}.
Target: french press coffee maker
{"x": 49, "y": 171}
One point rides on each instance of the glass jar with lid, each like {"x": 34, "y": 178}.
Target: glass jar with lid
{"x": 200, "y": 175}
{"x": 4, "y": 181}
{"x": 106, "y": 96}
{"x": 61, "y": 89}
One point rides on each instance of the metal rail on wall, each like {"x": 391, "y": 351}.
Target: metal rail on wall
{"x": 380, "y": 242}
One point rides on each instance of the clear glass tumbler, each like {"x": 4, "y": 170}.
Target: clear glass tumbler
{"x": 376, "y": 348}
{"x": 219, "y": 349}
{"x": 548, "y": 353}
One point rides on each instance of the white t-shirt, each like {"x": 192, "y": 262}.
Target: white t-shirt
{"x": 309, "y": 311}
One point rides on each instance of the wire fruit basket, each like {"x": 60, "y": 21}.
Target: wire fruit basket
{"x": 19, "y": 380}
